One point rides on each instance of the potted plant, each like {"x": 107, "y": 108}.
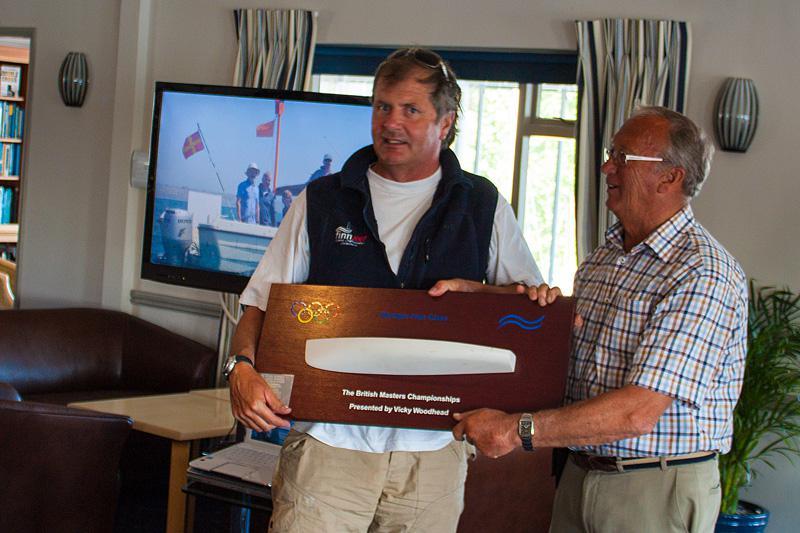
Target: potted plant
{"x": 766, "y": 421}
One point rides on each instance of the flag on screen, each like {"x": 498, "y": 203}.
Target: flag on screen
{"x": 266, "y": 129}
{"x": 192, "y": 144}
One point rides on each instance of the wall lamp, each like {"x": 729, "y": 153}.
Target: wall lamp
{"x": 736, "y": 114}
{"x": 73, "y": 79}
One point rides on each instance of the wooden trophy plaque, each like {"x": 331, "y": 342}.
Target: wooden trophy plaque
{"x": 539, "y": 338}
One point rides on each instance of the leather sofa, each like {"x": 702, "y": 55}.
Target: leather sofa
{"x": 58, "y": 356}
{"x": 64, "y": 355}
{"x": 58, "y": 466}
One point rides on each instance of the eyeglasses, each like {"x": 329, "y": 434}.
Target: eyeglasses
{"x": 621, "y": 159}
{"x": 424, "y": 57}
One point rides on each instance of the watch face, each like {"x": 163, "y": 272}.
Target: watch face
{"x": 233, "y": 361}
{"x": 525, "y": 425}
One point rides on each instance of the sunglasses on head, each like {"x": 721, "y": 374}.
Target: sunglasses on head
{"x": 425, "y": 58}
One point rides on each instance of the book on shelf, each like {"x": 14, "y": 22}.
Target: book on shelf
{"x": 9, "y": 80}
{"x": 6, "y": 204}
{"x": 9, "y": 159}
{"x": 12, "y": 118}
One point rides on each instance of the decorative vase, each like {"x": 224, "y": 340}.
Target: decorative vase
{"x": 73, "y": 79}
{"x": 737, "y": 114}
{"x": 751, "y": 519}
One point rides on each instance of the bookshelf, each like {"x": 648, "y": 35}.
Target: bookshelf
{"x": 14, "y": 63}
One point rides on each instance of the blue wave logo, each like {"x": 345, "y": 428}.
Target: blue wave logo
{"x": 520, "y": 322}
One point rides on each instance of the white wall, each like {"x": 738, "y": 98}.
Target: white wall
{"x": 66, "y": 177}
{"x": 77, "y": 170}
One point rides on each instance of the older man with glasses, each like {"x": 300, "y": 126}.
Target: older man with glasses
{"x": 419, "y": 219}
{"x": 658, "y": 350}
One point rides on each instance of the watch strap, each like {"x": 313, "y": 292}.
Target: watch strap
{"x": 235, "y": 360}
{"x": 526, "y": 431}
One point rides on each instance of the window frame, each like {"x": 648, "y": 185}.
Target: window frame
{"x": 529, "y": 125}
{"x": 521, "y": 66}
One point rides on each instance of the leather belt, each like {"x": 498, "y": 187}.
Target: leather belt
{"x": 618, "y": 464}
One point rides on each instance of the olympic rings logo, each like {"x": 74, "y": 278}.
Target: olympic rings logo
{"x": 315, "y": 311}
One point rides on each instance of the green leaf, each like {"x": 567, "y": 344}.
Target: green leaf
{"x": 767, "y": 417}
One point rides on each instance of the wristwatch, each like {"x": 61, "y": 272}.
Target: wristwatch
{"x": 525, "y": 430}
{"x": 232, "y": 362}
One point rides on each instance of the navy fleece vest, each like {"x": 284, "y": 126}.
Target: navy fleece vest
{"x": 451, "y": 239}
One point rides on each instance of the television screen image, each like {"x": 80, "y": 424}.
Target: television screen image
{"x": 226, "y": 164}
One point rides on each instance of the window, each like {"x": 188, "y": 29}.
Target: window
{"x": 516, "y": 129}
{"x": 484, "y": 144}
{"x": 546, "y": 198}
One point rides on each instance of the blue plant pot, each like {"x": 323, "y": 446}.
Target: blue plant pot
{"x": 751, "y": 518}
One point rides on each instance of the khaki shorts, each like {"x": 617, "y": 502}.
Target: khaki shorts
{"x": 320, "y": 488}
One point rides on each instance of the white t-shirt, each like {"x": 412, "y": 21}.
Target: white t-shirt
{"x": 398, "y": 208}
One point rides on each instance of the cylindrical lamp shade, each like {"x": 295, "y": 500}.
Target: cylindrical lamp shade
{"x": 73, "y": 79}
{"x": 737, "y": 114}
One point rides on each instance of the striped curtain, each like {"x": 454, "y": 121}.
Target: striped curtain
{"x": 275, "y": 48}
{"x": 275, "y": 51}
{"x": 622, "y": 63}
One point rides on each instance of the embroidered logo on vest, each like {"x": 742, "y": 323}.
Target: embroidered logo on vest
{"x": 344, "y": 236}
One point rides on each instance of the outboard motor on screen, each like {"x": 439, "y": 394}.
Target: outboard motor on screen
{"x": 176, "y": 234}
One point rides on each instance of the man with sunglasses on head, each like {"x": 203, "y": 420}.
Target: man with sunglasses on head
{"x": 412, "y": 218}
{"x": 658, "y": 350}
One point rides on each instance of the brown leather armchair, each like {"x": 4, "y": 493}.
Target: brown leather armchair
{"x": 58, "y": 356}
{"x": 58, "y": 468}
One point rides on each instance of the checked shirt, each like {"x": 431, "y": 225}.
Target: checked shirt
{"x": 669, "y": 316}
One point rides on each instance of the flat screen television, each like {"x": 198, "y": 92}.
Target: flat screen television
{"x": 207, "y": 222}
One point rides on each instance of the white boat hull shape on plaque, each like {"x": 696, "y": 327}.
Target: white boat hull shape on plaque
{"x": 407, "y": 357}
